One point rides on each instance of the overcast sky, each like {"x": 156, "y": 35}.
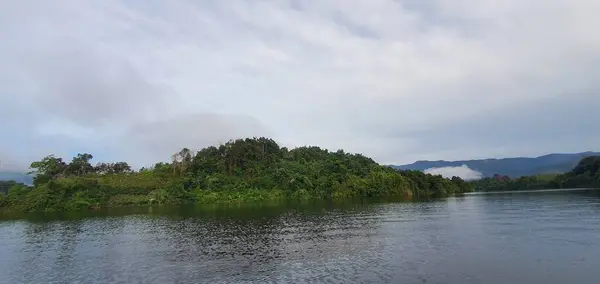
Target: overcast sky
{"x": 397, "y": 80}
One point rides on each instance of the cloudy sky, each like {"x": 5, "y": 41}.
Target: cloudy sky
{"x": 397, "y": 80}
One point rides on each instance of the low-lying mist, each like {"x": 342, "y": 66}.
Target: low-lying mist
{"x": 463, "y": 172}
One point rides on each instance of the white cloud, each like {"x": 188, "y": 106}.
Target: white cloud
{"x": 463, "y": 172}
{"x": 387, "y": 78}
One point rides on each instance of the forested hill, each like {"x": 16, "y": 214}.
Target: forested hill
{"x": 586, "y": 174}
{"x": 252, "y": 169}
{"x": 512, "y": 167}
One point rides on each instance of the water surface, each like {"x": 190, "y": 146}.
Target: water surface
{"x": 545, "y": 237}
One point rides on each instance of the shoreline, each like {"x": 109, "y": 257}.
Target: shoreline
{"x": 531, "y": 191}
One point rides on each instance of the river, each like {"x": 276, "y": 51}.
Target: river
{"x": 545, "y": 237}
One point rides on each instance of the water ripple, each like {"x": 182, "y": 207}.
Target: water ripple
{"x": 476, "y": 239}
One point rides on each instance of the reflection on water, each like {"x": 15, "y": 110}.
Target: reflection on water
{"x": 513, "y": 238}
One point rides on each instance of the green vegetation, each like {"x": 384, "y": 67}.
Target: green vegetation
{"x": 6, "y": 184}
{"x": 586, "y": 174}
{"x": 244, "y": 170}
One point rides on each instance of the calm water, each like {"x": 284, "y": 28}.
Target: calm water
{"x": 551, "y": 237}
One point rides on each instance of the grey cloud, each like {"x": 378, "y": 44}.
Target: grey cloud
{"x": 17, "y": 152}
{"x": 143, "y": 143}
{"x": 396, "y": 80}
{"x": 89, "y": 88}
{"x": 156, "y": 141}
{"x": 528, "y": 129}
{"x": 9, "y": 163}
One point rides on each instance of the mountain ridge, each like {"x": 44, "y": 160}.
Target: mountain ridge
{"x": 16, "y": 176}
{"x": 512, "y": 167}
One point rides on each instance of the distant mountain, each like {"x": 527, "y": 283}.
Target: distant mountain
{"x": 18, "y": 177}
{"x": 512, "y": 167}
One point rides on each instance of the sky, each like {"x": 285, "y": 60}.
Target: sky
{"x": 396, "y": 80}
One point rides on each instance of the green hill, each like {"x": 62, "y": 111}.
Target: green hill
{"x": 244, "y": 170}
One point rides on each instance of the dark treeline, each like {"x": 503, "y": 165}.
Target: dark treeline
{"x": 6, "y": 184}
{"x": 586, "y": 174}
{"x": 243, "y": 170}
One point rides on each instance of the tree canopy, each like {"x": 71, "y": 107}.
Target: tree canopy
{"x": 242, "y": 170}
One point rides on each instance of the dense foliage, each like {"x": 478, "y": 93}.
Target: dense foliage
{"x": 5, "y": 185}
{"x": 256, "y": 169}
{"x": 586, "y": 174}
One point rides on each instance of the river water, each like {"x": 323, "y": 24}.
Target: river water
{"x": 545, "y": 237}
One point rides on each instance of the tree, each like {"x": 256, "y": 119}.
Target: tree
{"x": 80, "y": 165}
{"x": 47, "y": 169}
{"x": 121, "y": 168}
{"x": 181, "y": 160}
{"x": 587, "y": 166}
{"x": 103, "y": 168}
{"x": 6, "y": 184}
{"x": 112, "y": 168}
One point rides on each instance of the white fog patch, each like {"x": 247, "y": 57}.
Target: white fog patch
{"x": 463, "y": 172}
